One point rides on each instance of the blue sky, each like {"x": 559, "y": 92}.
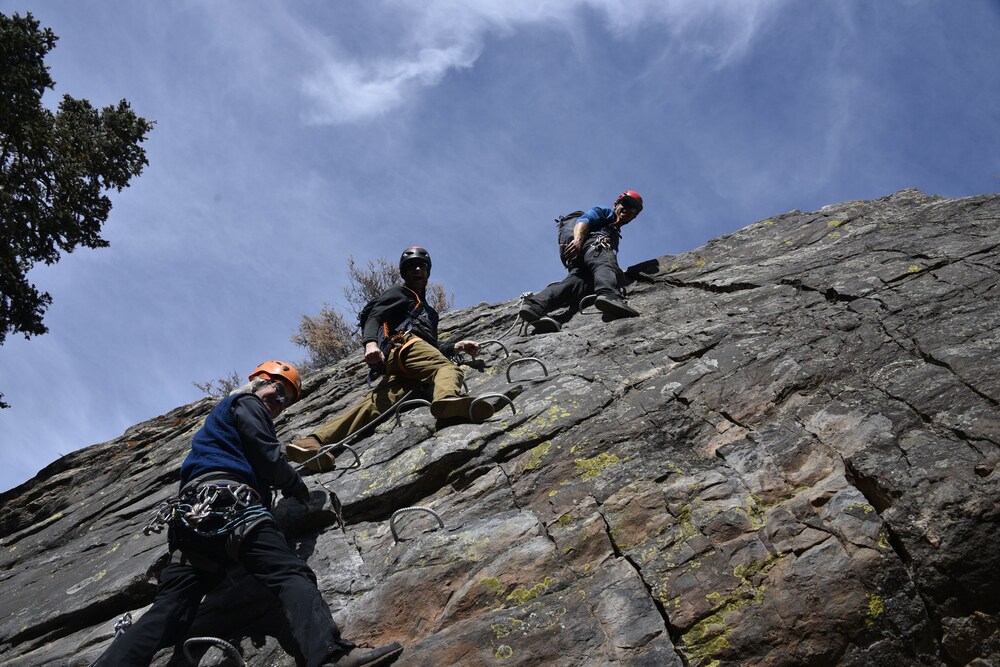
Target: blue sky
{"x": 291, "y": 135}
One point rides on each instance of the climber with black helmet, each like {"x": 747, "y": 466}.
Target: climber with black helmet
{"x": 593, "y": 266}
{"x": 400, "y": 335}
{"x": 221, "y": 519}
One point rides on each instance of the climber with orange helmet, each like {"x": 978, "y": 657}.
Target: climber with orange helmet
{"x": 222, "y": 518}
{"x": 592, "y": 259}
{"x": 399, "y": 334}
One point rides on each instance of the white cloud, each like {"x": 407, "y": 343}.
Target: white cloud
{"x": 440, "y": 36}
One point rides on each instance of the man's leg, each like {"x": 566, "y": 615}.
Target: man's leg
{"x": 354, "y": 419}
{"x": 566, "y": 292}
{"x": 423, "y": 362}
{"x": 266, "y": 555}
{"x": 178, "y": 595}
{"x": 603, "y": 263}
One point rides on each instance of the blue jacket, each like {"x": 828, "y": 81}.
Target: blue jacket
{"x": 239, "y": 439}
{"x": 600, "y": 223}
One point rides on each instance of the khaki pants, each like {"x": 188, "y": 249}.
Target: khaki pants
{"x": 413, "y": 364}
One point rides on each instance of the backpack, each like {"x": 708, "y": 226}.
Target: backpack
{"x": 387, "y": 339}
{"x": 564, "y": 232}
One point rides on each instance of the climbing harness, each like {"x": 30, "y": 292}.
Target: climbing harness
{"x": 214, "y": 641}
{"x": 209, "y": 510}
{"x": 406, "y": 510}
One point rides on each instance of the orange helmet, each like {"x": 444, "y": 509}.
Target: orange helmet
{"x": 272, "y": 370}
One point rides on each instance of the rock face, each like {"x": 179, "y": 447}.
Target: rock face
{"x": 789, "y": 459}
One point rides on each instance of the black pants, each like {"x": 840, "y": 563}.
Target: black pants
{"x": 597, "y": 273}
{"x": 266, "y": 556}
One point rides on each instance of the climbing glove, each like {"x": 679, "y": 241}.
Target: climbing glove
{"x": 298, "y": 490}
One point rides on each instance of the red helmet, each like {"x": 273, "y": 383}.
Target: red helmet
{"x": 272, "y": 370}
{"x": 630, "y": 198}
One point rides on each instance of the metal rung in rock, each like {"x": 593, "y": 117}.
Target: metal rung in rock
{"x": 412, "y": 403}
{"x": 525, "y": 360}
{"x": 502, "y": 397}
{"x": 406, "y": 510}
{"x": 495, "y": 342}
{"x": 214, "y": 641}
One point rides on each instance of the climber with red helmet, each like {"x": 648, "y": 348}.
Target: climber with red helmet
{"x": 222, "y": 518}
{"x": 592, "y": 259}
{"x": 400, "y": 335}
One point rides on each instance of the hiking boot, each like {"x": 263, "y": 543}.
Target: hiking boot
{"x": 615, "y": 308}
{"x": 304, "y": 449}
{"x": 529, "y": 313}
{"x": 382, "y": 655}
{"x": 458, "y": 406}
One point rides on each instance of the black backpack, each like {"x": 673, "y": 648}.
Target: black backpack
{"x": 564, "y": 232}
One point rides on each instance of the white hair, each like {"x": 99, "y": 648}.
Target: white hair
{"x": 250, "y": 387}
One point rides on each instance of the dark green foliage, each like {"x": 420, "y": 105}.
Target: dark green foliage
{"x": 54, "y": 170}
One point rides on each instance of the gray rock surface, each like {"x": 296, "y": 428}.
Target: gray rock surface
{"x": 789, "y": 459}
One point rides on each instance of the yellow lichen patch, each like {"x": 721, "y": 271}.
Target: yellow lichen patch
{"x": 707, "y": 638}
{"x": 401, "y": 468}
{"x": 864, "y": 507}
{"x": 787, "y": 242}
{"x": 503, "y": 652}
{"x": 113, "y": 549}
{"x": 552, "y": 493}
{"x": 768, "y": 222}
{"x": 876, "y": 607}
{"x": 834, "y": 235}
{"x": 491, "y": 583}
{"x": 835, "y": 223}
{"x": 699, "y": 262}
{"x": 564, "y": 521}
{"x": 537, "y": 454}
{"x": 588, "y": 469}
{"x": 915, "y": 269}
{"x": 520, "y": 595}
{"x": 883, "y": 540}
{"x": 675, "y": 266}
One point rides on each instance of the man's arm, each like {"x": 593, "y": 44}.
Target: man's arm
{"x": 262, "y": 449}
{"x": 580, "y": 231}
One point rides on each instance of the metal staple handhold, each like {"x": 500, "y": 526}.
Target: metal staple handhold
{"x": 523, "y": 361}
{"x": 220, "y": 643}
{"x": 412, "y": 403}
{"x": 495, "y": 342}
{"x": 357, "y": 459}
{"x": 405, "y": 510}
{"x": 502, "y": 397}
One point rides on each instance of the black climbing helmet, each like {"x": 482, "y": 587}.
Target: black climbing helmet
{"x": 413, "y": 254}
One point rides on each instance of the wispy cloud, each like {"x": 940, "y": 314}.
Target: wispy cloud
{"x": 438, "y": 37}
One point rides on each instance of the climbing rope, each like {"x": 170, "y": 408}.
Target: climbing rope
{"x": 517, "y": 318}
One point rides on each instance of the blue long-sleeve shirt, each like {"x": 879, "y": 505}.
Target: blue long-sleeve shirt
{"x": 600, "y": 223}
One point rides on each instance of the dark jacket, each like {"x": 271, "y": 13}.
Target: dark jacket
{"x": 238, "y": 438}
{"x": 392, "y": 308}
